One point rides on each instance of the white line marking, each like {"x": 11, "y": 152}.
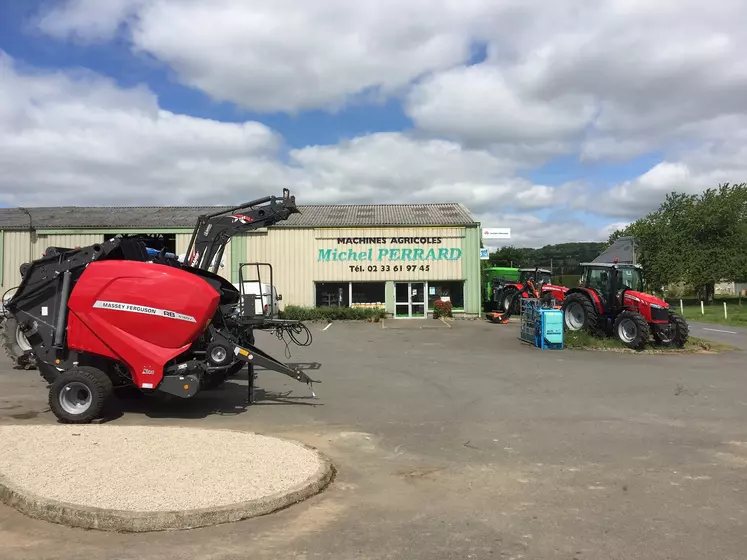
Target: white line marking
{"x": 719, "y": 330}
{"x": 328, "y": 326}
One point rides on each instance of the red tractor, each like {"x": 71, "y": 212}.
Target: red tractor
{"x": 533, "y": 283}
{"x": 610, "y": 299}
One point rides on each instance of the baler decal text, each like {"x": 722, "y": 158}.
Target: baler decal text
{"x": 143, "y": 309}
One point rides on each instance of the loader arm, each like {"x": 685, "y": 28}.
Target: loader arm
{"x": 213, "y": 231}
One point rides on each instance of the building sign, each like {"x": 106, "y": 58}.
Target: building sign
{"x": 484, "y": 254}
{"x": 391, "y": 254}
{"x": 403, "y": 255}
{"x": 496, "y": 233}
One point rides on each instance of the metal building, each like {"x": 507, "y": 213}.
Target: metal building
{"x": 401, "y": 257}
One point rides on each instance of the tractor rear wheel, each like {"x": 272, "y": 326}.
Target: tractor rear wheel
{"x": 675, "y": 334}
{"x": 79, "y": 395}
{"x": 508, "y": 298}
{"x": 579, "y": 314}
{"x": 632, "y": 329}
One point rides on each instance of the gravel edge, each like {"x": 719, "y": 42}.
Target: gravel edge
{"x": 85, "y": 517}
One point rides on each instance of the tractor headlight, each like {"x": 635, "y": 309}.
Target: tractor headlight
{"x": 656, "y": 306}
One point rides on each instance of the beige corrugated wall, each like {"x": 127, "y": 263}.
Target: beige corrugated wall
{"x": 294, "y": 254}
{"x": 21, "y": 247}
{"x": 16, "y": 251}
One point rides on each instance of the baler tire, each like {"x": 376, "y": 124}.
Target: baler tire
{"x": 642, "y": 329}
{"x": 213, "y": 381}
{"x": 681, "y": 332}
{"x": 21, "y": 357}
{"x": 591, "y": 322}
{"x": 99, "y": 388}
{"x": 235, "y": 368}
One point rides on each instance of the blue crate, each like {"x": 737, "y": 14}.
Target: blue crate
{"x": 549, "y": 329}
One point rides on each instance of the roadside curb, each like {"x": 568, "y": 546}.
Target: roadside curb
{"x": 85, "y": 517}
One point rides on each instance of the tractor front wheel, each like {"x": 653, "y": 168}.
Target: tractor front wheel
{"x": 579, "y": 314}
{"x": 632, "y": 329}
{"x": 675, "y": 334}
{"x": 78, "y": 396}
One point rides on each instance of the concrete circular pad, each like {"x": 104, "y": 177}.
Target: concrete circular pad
{"x": 152, "y": 478}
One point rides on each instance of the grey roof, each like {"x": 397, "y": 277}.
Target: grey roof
{"x": 352, "y": 215}
{"x": 623, "y": 249}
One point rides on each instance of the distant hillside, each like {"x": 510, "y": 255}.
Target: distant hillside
{"x": 564, "y": 257}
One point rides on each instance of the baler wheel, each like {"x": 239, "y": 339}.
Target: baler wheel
{"x": 15, "y": 344}
{"x": 79, "y": 395}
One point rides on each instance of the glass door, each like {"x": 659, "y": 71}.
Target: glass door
{"x": 409, "y": 300}
{"x": 417, "y": 300}
{"x": 402, "y": 299}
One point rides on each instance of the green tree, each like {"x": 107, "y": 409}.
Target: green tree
{"x": 698, "y": 239}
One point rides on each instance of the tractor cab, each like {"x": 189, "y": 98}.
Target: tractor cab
{"x": 538, "y": 276}
{"x": 609, "y": 280}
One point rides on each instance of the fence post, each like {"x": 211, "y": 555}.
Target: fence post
{"x": 682, "y": 309}
{"x": 726, "y": 316}
{"x": 702, "y": 311}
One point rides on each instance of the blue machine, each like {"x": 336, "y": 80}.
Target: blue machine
{"x": 154, "y": 252}
{"x": 549, "y": 329}
{"x": 541, "y": 327}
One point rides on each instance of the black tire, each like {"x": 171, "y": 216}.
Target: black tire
{"x": 632, "y": 329}
{"x": 507, "y": 299}
{"x": 214, "y": 380}
{"x": 235, "y": 368}
{"x": 579, "y": 314}
{"x": 675, "y": 334}
{"x": 15, "y": 345}
{"x": 93, "y": 387}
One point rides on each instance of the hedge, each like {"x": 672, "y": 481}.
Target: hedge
{"x": 298, "y": 313}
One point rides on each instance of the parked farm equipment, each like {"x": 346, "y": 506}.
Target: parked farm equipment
{"x": 112, "y": 315}
{"x": 611, "y": 300}
{"x": 533, "y": 283}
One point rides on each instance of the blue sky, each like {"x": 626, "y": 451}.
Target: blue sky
{"x": 532, "y": 118}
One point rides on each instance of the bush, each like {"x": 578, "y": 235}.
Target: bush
{"x": 442, "y": 309}
{"x": 298, "y": 313}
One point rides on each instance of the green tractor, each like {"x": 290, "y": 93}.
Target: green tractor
{"x": 496, "y": 275}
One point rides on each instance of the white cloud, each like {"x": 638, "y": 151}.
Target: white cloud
{"x": 76, "y": 138}
{"x": 606, "y": 80}
{"x": 271, "y": 55}
{"x": 477, "y": 104}
{"x": 528, "y": 230}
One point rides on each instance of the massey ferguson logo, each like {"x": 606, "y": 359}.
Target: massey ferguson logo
{"x": 243, "y": 218}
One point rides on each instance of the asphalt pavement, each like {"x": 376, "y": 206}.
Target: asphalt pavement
{"x": 735, "y": 336}
{"x": 458, "y": 443}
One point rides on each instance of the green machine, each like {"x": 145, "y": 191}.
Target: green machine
{"x": 494, "y": 275}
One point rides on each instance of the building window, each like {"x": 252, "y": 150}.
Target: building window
{"x": 368, "y": 294}
{"x": 333, "y": 294}
{"x": 452, "y": 290}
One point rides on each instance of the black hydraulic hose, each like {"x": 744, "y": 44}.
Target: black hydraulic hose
{"x": 59, "y": 331}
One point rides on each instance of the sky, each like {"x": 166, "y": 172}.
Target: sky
{"x": 561, "y": 120}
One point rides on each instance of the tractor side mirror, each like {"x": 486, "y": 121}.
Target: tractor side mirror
{"x": 280, "y": 297}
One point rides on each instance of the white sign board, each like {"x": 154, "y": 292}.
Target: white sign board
{"x": 484, "y": 254}
{"x": 496, "y": 233}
